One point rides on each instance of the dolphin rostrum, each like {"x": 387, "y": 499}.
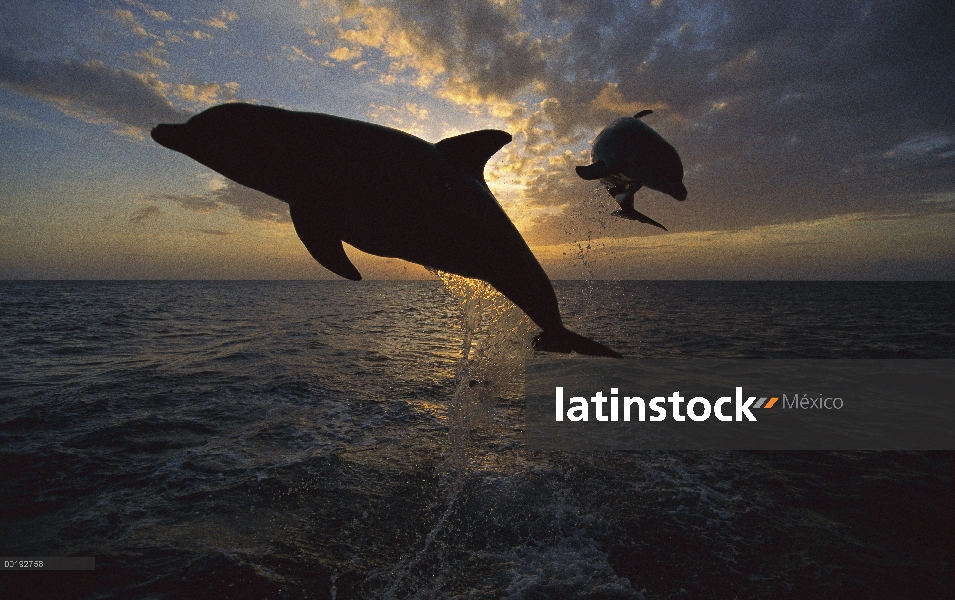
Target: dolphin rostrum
{"x": 383, "y": 191}
{"x": 628, "y": 155}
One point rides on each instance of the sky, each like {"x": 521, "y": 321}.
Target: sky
{"x": 818, "y": 138}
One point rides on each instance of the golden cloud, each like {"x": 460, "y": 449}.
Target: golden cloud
{"x": 223, "y": 20}
{"x": 343, "y": 53}
{"x": 126, "y": 18}
{"x": 206, "y": 93}
{"x": 296, "y": 54}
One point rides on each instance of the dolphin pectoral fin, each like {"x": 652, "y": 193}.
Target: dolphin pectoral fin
{"x": 642, "y": 114}
{"x": 468, "y": 153}
{"x": 597, "y": 170}
{"x": 616, "y": 190}
{"x": 565, "y": 341}
{"x": 625, "y": 198}
{"x": 323, "y": 246}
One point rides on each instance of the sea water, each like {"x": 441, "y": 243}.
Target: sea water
{"x": 332, "y": 439}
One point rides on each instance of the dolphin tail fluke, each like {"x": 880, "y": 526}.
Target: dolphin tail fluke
{"x": 565, "y": 341}
{"x": 635, "y": 215}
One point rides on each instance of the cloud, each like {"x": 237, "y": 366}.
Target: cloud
{"x": 478, "y": 47}
{"x": 251, "y": 204}
{"x": 940, "y": 143}
{"x": 151, "y": 59}
{"x": 145, "y": 213}
{"x": 344, "y": 53}
{"x": 780, "y": 112}
{"x": 130, "y": 101}
{"x": 195, "y": 203}
{"x": 223, "y": 20}
{"x": 126, "y": 18}
{"x": 855, "y": 246}
{"x": 296, "y": 54}
{"x": 205, "y": 94}
{"x": 155, "y": 14}
{"x": 92, "y": 91}
{"x": 409, "y": 118}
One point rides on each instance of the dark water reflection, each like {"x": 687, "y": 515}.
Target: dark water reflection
{"x": 312, "y": 440}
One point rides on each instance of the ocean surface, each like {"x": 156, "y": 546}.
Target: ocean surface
{"x": 332, "y": 439}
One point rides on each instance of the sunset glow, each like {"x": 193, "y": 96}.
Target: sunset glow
{"x": 817, "y": 142}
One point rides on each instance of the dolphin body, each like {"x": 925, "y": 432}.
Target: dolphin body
{"x": 628, "y": 155}
{"x": 383, "y": 191}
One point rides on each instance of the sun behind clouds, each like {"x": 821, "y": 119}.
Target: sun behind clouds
{"x": 816, "y": 141}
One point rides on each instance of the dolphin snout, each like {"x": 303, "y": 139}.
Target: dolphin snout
{"x": 166, "y": 135}
{"x": 676, "y": 189}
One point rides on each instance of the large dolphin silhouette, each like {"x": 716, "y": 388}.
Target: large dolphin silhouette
{"x": 627, "y": 155}
{"x": 383, "y": 191}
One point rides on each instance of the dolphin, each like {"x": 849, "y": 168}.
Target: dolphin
{"x": 384, "y": 192}
{"x": 628, "y": 155}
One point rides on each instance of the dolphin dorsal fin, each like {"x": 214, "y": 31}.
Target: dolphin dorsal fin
{"x": 642, "y": 114}
{"x": 469, "y": 152}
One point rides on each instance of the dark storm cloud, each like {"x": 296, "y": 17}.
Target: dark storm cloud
{"x": 91, "y": 90}
{"x": 251, "y": 204}
{"x": 481, "y": 43}
{"x": 859, "y": 57}
{"x": 774, "y": 60}
{"x": 847, "y": 79}
{"x": 781, "y": 111}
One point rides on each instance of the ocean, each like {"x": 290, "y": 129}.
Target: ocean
{"x": 332, "y": 439}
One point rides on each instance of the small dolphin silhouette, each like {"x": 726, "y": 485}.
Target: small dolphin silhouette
{"x": 383, "y": 191}
{"x": 628, "y": 155}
